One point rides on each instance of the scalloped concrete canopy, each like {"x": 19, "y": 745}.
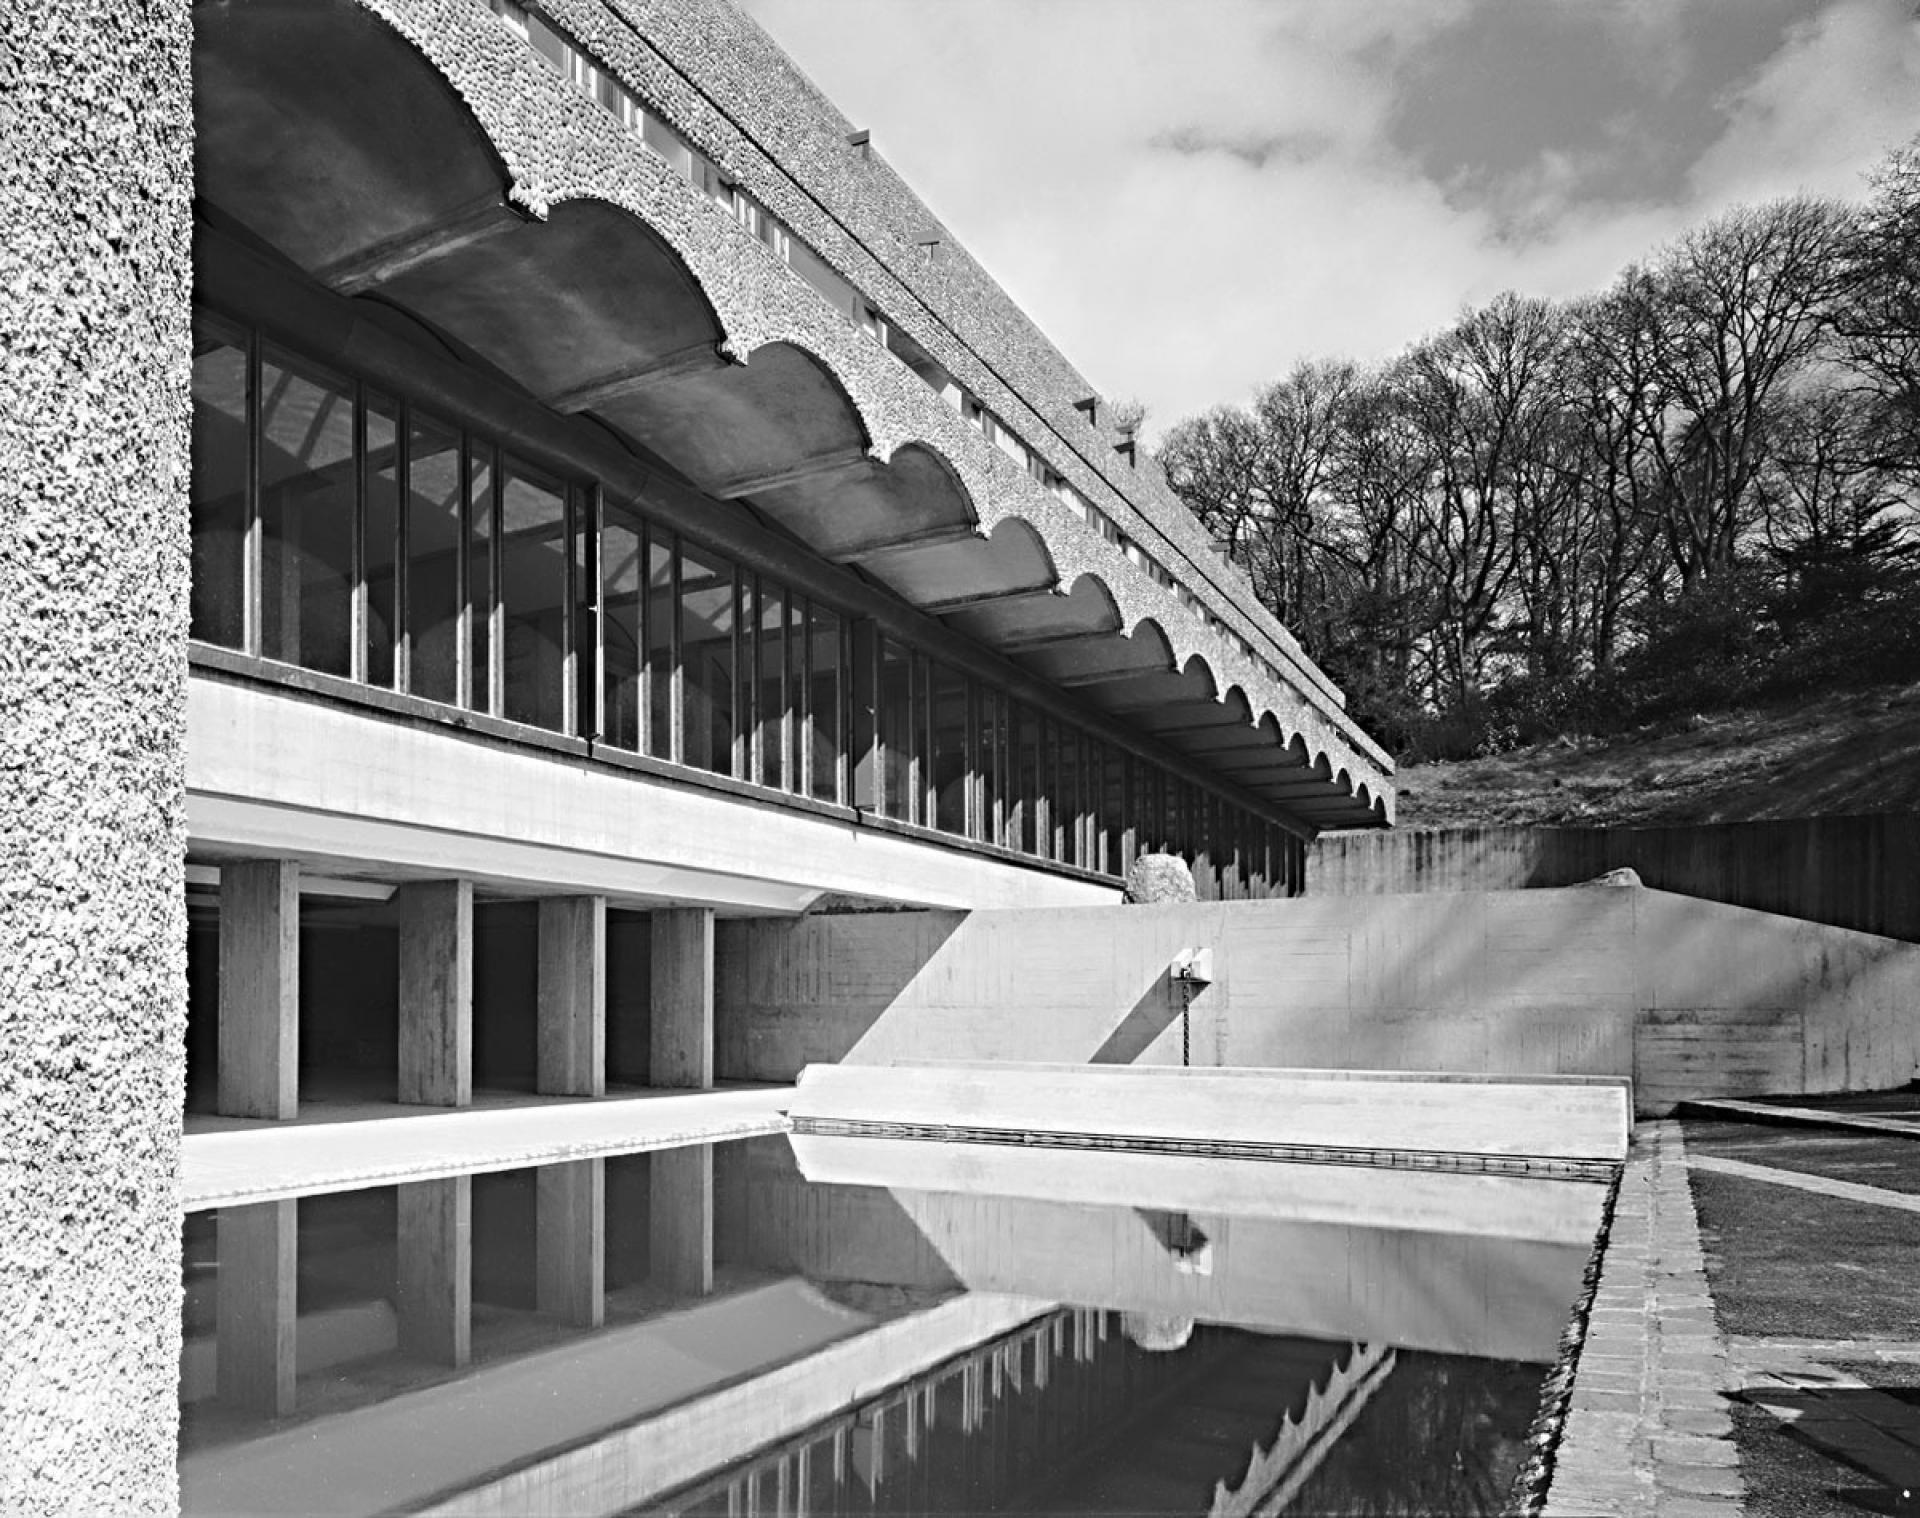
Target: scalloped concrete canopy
{"x": 626, "y": 294}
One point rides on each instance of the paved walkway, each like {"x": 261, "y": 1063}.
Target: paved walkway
{"x": 1846, "y": 1191}
{"x": 264, "y": 1161}
{"x": 1648, "y": 1431}
{"x": 1899, "y": 1120}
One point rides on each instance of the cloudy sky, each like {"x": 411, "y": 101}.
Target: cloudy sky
{"x": 1192, "y": 195}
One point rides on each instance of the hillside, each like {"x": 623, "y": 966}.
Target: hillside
{"x": 1854, "y": 751}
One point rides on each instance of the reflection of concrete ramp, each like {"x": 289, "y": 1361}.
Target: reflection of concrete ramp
{"x": 1566, "y": 1126}
{"x": 1426, "y": 1201}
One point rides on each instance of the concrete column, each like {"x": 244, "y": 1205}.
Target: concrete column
{"x": 436, "y": 992}
{"x": 683, "y": 997}
{"x": 435, "y": 1252}
{"x": 259, "y": 988}
{"x": 680, "y": 1219}
{"x": 570, "y": 1241}
{"x": 254, "y": 1345}
{"x": 573, "y": 996}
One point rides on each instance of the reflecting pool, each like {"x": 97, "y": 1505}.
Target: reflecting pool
{"x": 828, "y": 1324}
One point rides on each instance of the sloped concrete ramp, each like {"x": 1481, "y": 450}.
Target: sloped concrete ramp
{"x": 1560, "y": 1126}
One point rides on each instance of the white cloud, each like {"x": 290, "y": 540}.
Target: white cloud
{"x": 1190, "y": 198}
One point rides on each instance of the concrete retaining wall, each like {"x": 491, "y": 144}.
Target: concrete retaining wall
{"x": 94, "y": 354}
{"x": 1687, "y": 997}
{"x": 1850, "y": 872}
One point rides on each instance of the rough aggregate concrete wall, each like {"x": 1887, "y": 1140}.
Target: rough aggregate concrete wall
{"x": 1850, "y": 872}
{"x": 1688, "y": 997}
{"x": 94, "y": 364}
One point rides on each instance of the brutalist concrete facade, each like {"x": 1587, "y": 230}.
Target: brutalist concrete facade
{"x": 723, "y": 83}
{"x": 93, "y": 596}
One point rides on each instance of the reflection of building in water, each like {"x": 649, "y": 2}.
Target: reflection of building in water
{"x": 1066, "y": 1416}
{"x": 702, "y": 1328}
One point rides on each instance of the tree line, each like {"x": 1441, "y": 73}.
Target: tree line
{"x": 1693, "y": 488}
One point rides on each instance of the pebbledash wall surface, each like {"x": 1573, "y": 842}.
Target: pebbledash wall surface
{"x": 93, "y": 602}
{"x": 605, "y": 476}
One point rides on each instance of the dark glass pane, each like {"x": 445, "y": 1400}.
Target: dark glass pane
{"x": 306, "y": 516}
{"x": 483, "y": 685}
{"x": 863, "y": 738}
{"x": 533, "y": 597}
{"x": 433, "y": 559}
{"x": 706, "y": 660}
{"x": 770, "y": 640}
{"x": 990, "y": 761}
{"x": 621, "y": 544}
{"x": 585, "y": 647}
{"x": 662, "y": 627}
{"x": 383, "y": 538}
{"x": 823, "y": 702}
{"x": 896, "y": 708}
{"x": 218, "y": 501}
{"x": 1025, "y": 835}
{"x": 949, "y": 750}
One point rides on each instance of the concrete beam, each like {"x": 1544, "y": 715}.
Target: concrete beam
{"x": 681, "y": 362}
{"x": 259, "y": 988}
{"x": 255, "y": 1302}
{"x": 435, "y": 1253}
{"x": 682, "y": 1013}
{"x": 925, "y": 537}
{"x": 680, "y": 1219}
{"x": 466, "y": 225}
{"x": 826, "y": 466}
{"x": 572, "y": 1008}
{"x": 436, "y": 992}
{"x": 570, "y": 1242}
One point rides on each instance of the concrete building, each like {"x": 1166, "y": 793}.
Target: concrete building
{"x": 619, "y": 505}
{"x": 596, "y": 500}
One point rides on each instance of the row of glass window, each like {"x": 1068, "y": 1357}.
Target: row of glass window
{"x": 346, "y": 530}
{"x": 575, "y": 64}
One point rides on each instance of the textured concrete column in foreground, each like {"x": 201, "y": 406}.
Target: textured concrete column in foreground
{"x": 683, "y": 997}
{"x": 94, "y": 354}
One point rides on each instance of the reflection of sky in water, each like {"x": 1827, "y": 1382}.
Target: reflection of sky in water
{"x": 892, "y": 1325}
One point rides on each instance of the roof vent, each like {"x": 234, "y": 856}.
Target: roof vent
{"x": 1089, "y": 406}
{"x": 861, "y": 141}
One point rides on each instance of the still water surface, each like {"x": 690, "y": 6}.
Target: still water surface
{"x": 795, "y": 1325}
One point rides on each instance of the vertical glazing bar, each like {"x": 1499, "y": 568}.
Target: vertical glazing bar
{"x": 253, "y": 545}
{"x": 643, "y": 636}
{"x": 464, "y": 687}
{"x": 357, "y": 607}
{"x": 570, "y": 511}
{"x": 802, "y": 613}
{"x": 677, "y": 710}
{"x": 596, "y": 719}
{"x": 403, "y": 545}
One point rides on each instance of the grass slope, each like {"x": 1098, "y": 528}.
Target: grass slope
{"x": 1854, "y": 751}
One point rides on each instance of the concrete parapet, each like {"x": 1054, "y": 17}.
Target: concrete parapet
{"x": 1405, "y": 1117}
